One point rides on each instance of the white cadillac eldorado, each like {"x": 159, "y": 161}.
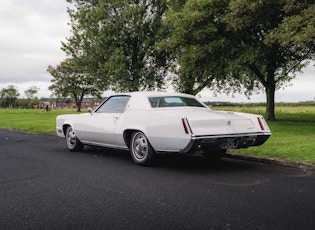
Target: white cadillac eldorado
{"x": 149, "y": 123}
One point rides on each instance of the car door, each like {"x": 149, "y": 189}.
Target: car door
{"x": 100, "y": 127}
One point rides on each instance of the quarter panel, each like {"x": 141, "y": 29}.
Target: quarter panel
{"x": 164, "y": 131}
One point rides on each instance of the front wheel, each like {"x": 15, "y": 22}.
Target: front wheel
{"x": 141, "y": 150}
{"x": 73, "y": 143}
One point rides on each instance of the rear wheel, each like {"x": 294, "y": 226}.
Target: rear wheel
{"x": 141, "y": 150}
{"x": 214, "y": 155}
{"x": 73, "y": 143}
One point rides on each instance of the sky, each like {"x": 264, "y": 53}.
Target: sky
{"x": 30, "y": 41}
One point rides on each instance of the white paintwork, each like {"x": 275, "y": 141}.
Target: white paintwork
{"x": 162, "y": 126}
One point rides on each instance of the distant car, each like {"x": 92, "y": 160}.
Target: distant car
{"x": 150, "y": 123}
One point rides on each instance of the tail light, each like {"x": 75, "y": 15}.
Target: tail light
{"x": 261, "y": 124}
{"x": 186, "y": 126}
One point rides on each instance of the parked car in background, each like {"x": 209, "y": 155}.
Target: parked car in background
{"x": 151, "y": 123}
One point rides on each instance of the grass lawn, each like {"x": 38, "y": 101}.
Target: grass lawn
{"x": 31, "y": 120}
{"x": 293, "y": 134}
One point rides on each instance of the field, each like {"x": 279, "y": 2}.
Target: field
{"x": 30, "y": 120}
{"x": 293, "y": 134}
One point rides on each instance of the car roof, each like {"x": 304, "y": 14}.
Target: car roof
{"x": 155, "y": 94}
{"x": 139, "y": 99}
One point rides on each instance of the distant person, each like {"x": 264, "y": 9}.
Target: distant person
{"x": 46, "y": 106}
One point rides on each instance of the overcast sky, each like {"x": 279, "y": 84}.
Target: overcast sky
{"x": 31, "y": 35}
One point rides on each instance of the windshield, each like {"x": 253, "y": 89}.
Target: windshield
{"x": 174, "y": 101}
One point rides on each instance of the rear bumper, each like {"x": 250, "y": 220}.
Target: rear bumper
{"x": 233, "y": 141}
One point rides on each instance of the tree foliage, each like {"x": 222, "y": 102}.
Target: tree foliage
{"x": 226, "y": 45}
{"x": 117, "y": 38}
{"x": 70, "y": 79}
{"x": 197, "y": 41}
{"x": 31, "y": 98}
{"x": 298, "y": 27}
{"x": 9, "y": 96}
{"x": 30, "y": 92}
{"x": 246, "y": 39}
{"x": 264, "y": 62}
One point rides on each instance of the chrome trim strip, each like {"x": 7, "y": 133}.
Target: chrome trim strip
{"x": 229, "y": 135}
{"x": 105, "y": 145}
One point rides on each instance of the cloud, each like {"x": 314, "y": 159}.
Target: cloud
{"x": 31, "y": 35}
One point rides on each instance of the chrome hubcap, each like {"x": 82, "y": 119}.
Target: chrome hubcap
{"x": 140, "y": 146}
{"x": 71, "y": 138}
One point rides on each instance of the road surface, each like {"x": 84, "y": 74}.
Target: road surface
{"x": 44, "y": 186}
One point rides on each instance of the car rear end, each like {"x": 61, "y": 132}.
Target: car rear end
{"x": 224, "y": 130}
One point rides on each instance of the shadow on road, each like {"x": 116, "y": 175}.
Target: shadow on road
{"x": 174, "y": 161}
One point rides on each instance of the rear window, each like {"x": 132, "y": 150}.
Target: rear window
{"x": 174, "y": 101}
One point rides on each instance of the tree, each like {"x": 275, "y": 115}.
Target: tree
{"x": 70, "y": 79}
{"x": 196, "y": 41}
{"x": 240, "y": 45}
{"x": 30, "y": 93}
{"x": 296, "y": 29}
{"x": 9, "y": 95}
{"x": 265, "y": 60}
{"x": 116, "y": 39}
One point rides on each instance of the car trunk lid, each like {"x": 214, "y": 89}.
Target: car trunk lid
{"x": 209, "y": 122}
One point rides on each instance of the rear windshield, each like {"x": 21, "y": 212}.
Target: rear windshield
{"x": 174, "y": 101}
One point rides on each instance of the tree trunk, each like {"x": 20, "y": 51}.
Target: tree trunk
{"x": 270, "y": 95}
{"x": 78, "y": 101}
{"x": 78, "y": 104}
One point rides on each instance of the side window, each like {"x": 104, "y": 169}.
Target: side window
{"x": 115, "y": 104}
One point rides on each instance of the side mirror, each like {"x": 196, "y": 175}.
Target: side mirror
{"x": 90, "y": 110}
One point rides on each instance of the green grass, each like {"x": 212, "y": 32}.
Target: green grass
{"x": 30, "y": 120}
{"x": 293, "y": 134}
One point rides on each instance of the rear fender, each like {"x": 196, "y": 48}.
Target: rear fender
{"x": 130, "y": 130}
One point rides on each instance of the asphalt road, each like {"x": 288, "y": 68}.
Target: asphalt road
{"x": 44, "y": 186}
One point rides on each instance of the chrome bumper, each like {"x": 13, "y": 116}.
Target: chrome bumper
{"x": 233, "y": 141}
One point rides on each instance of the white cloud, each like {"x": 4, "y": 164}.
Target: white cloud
{"x": 31, "y": 35}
